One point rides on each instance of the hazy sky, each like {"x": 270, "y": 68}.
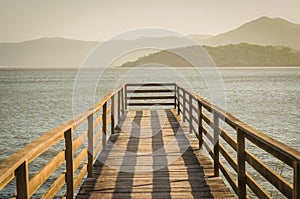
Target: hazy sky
{"x": 99, "y": 19}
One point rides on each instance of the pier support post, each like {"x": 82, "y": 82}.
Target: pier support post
{"x": 90, "y": 146}
{"x": 119, "y": 106}
{"x": 200, "y": 128}
{"x": 216, "y": 142}
{"x": 184, "y": 106}
{"x": 22, "y": 180}
{"x": 241, "y": 170}
{"x": 175, "y": 100}
{"x": 104, "y": 125}
{"x": 69, "y": 164}
{"x": 112, "y": 114}
{"x": 191, "y": 113}
{"x": 178, "y": 100}
{"x": 122, "y": 91}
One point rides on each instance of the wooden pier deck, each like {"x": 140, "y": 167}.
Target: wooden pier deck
{"x": 153, "y": 156}
{"x": 142, "y": 141}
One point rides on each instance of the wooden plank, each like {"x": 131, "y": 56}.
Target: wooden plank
{"x": 69, "y": 164}
{"x": 22, "y": 181}
{"x": 256, "y": 188}
{"x": 90, "y": 151}
{"x": 190, "y": 113}
{"x": 216, "y": 144}
{"x": 80, "y": 176}
{"x": 228, "y": 139}
{"x": 119, "y": 107}
{"x": 200, "y": 127}
{"x": 112, "y": 115}
{"x": 229, "y": 177}
{"x": 151, "y": 91}
{"x": 208, "y": 120}
{"x": 104, "y": 126}
{"x": 151, "y": 84}
{"x": 37, "y": 180}
{"x": 79, "y": 141}
{"x": 150, "y": 97}
{"x": 124, "y": 102}
{"x": 241, "y": 158}
{"x": 7, "y": 180}
{"x": 279, "y": 182}
{"x": 188, "y": 172}
{"x": 55, "y": 187}
{"x": 151, "y": 104}
{"x": 97, "y": 135}
{"x": 79, "y": 159}
{"x": 228, "y": 157}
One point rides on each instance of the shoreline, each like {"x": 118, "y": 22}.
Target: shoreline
{"x": 77, "y": 68}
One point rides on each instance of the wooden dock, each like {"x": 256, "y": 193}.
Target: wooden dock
{"x": 154, "y": 156}
{"x": 153, "y": 140}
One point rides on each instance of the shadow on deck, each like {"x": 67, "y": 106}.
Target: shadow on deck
{"x": 153, "y": 156}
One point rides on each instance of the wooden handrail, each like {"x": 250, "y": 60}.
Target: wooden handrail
{"x": 16, "y": 166}
{"x": 286, "y": 154}
{"x": 155, "y": 89}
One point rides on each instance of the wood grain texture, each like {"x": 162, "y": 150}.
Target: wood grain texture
{"x": 153, "y": 155}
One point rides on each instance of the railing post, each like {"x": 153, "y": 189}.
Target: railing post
{"x": 119, "y": 106}
{"x": 126, "y": 97}
{"x": 175, "y": 100}
{"x": 184, "y": 105}
{"x": 200, "y": 128}
{"x": 241, "y": 170}
{"x": 123, "y": 110}
{"x": 178, "y": 101}
{"x": 216, "y": 142}
{"x": 104, "y": 125}
{"x": 112, "y": 114}
{"x": 90, "y": 146}
{"x": 296, "y": 183}
{"x": 69, "y": 164}
{"x": 190, "y": 112}
{"x": 22, "y": 180}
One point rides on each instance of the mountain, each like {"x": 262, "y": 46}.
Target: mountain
{"x": 262, "y": 31}
{"x": 45, "y": 52}
{"x": 61, "y": 52}
{"x": 242, "y": 54}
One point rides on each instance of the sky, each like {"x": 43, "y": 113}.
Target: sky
{"x": 102, "y": 19}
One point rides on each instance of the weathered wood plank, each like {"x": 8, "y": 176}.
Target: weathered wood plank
{"x": 150, "y": 144}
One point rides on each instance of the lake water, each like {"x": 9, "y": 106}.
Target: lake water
{"x": 34, "y": 101}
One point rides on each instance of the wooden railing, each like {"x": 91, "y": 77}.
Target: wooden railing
{"x": 97, "y": 119}
{"x": 150, "y": 95}
{"x": 194, "y": 110}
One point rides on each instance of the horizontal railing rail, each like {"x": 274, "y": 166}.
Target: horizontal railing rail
{"x": 195, "y": 110}
{"x": 76, "y": 158}
{"x": 150, "y": 94}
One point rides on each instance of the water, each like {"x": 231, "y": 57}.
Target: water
{"x": 34, "y": 101}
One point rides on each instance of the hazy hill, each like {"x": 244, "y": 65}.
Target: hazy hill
{"x": 45, "y": 52}
{"x": 60, "y": 52}
{"x": 263, "y": 31}
{"x": 230, "y": 55}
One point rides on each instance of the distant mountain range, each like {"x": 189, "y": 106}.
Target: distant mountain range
{"x": 49, "y": 52}
{"x": 242, "y": 54}
{"x": 262, "y": 31}
{"x": 61, "y": 52}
